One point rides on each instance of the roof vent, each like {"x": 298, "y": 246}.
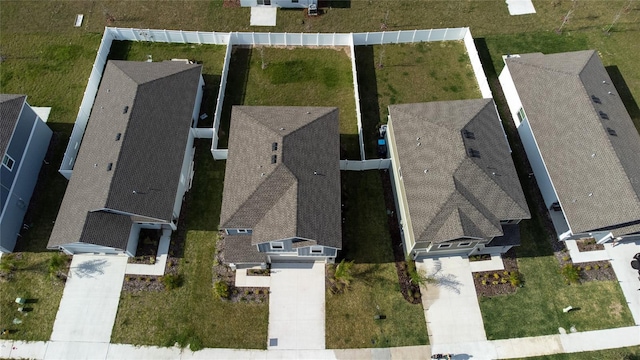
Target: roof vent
{"x": 474, "y": 153}
{"x": 118, "y": 136}
{"x": 610, "y": 93}
{"x": 109, "y": 167}
{"x": 426, "y": 171}
{"x": 590, "y": 194}
{"x": 281, "y": 129}
{"x": 418, "y": 138}
{"x": 593, "y": 155}
{"x": 274, "y": 159}
{"x": 418, "y": 144}
{"x": 125, "y": 110}
{"x": 468, "y": 134}
{"x": 603, "y": 115}
{"x": 596, "y": 99}
{"x": 274, "y": 146}
{"x": 611, "y": 132}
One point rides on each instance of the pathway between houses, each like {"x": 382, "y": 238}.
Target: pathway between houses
{"x": 90, "y": 299}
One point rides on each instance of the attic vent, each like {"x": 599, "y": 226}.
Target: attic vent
{"x": 274, "y": 159}
{"x": 603, "y": 115}
{"x": 118, "y": 136}
{"x": 474, "y": 153}
{"x": 125, "y": 110}
{"x": 596, "y": 99}
{"x": 468, "y": 134}
{"x": 274, "y": 146}
{"x": 611, "y": 132}
{"x": 109, "y": 167}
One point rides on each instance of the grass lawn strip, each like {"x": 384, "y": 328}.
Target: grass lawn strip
{"x": 192, "y": 314}
{"x": 278, "y": 76}
{"x": 374, "y": 289}
{"x": 410, "y": 73}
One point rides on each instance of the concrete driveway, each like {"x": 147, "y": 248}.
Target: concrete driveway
{"x": 451, "y": 306}
{"x": 621, "y": 256}
{"x": 296, "y": 306}
{"x": 90, "y": 299}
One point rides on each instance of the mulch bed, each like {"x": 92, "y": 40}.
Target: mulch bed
{"x": 224, "y": 273}
{"x": 138, "y": 283}
{"x": 410, "y": 291}
{"x": 492, "y": 283}
{"x": 589, "y": 245}
{"x": 589, "y": 271}
{"x": 231, "y": 3}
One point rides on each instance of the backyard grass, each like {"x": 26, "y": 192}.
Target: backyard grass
{"x": 410, "y": 73}
{"x": 294, "y": 77}
{"x": 627, "y": 353}
{"x": 32, "y": 282}
{"x": 192, "y": 314}
{"x": 374, "y": 289}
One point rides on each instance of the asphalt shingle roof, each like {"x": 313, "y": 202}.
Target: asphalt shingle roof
{"x": 586, "y": 137}
{"x": 451, "y": 194}
{"x": 10, "y": 107}
{"x": 131, "y": 155}
{"x": 291, "y": 189}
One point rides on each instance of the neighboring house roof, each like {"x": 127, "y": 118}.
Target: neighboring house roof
{"x": 451, "y": 194}
{"x": 585, "y": 135}
{"x": 287, "y": 190}
{"x": 132, "y": 151}
{"x": 10, "y": 108}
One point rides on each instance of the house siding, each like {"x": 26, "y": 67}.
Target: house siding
{"x": 400, "y": 198}
{"x": 18, "y": 144}
{"x": 25, "y": 173}
{"x": 511, "y": 94}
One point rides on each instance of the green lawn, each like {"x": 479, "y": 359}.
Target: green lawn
{"x": 30, "y": 281}
{"x": 192, "y": 314}
{"x": 628, "y": 353}
{"x": 410, "y": 73}
{"x": 374, "y": 290}
{"x": 294, "y": 77}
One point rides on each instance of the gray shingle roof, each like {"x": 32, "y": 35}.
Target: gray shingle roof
{"x": 284, "y": 199}
{"x": 238, "y": 249}
{"x": 10, "y": 107}
{"x": 585, "y": 135}
{"x": 451, "y": 194}
{"x": 144, "y": 146}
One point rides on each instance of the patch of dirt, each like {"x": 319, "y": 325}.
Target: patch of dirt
{"x": 589, "y": 245}
{"x": 410, "y": 291}
{"x": 615, "y": 309}
{"x": 596, "y": 271}
{"x": 492, "y": 283}
{"x": 138, "y": 283}
{"x": 231, "y": 3}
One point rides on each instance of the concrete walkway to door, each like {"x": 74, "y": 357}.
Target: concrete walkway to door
{"x": 296, "y": 306}
{"x": 451, "y": 305}
{"x": 90, "y": 299}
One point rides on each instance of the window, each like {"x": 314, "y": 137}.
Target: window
{"x": 242, "y": 231}
{"x": 277, "y": 246}
{"x": 274, "y": 146}
{"x": 521, "y": 115}
{"x": 316, "y": 249}
{"x": 294, "y": 1}
{"x": 7, "y": 161}
{"x": 444, "y": 246}
{"x": 464, "y": 244}
{"x": 274, "y": 159}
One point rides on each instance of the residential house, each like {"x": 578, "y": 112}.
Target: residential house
{"x": 135, "y": 162}
{"x": 455, "y": 184}
{"x": 281, "y": 198}
{"x": 582, "y": 145}
{"x": 24, "y": 139}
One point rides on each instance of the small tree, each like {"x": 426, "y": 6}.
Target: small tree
{"x": 418, "y": 277}
{"x": 221, "y": 289}
{"x": 571, "y": 273}
{"x": 172, "y": 281}
{"x": 57, "y": 264}
{"x": 344, "y": 272}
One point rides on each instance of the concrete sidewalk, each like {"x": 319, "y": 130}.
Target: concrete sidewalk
{"x": 451, "y": 306}
{"x": 90, "y": 299}
{"x": 296, "y": 306}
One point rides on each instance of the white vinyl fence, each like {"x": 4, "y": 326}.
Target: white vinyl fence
{"x": 362, "y": 165}
{"x": 262, "y": 39}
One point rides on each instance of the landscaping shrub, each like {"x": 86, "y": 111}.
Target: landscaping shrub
{"x": 571, "y": 273}
{"x": 172, "y": 281}
{"x": 56, "y": 264}
{"x": 221, "y": 289}
{"x": 343, "y": 272}
{"x": 514, "y": 278}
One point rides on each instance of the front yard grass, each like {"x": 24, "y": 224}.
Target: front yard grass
{"x": 374, "y": 289}
{"x": 32, "y": 282}
{"x": 299, "y": 76}
{"x": 192, "y": 314}
{"x": 410, "y": 73}
{"x": 626, "y": 353}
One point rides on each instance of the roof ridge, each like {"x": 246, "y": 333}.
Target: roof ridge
{"x": 502, "y": 190}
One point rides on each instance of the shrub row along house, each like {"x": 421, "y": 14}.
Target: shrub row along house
{"x": 581, "y": 142}
{"x": 24, "y": 139}
{"x": 136, "y": 158}
{"x": 281, "y": 198}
